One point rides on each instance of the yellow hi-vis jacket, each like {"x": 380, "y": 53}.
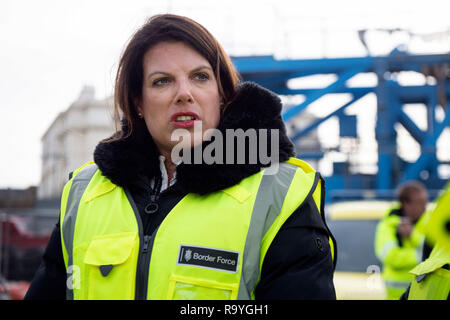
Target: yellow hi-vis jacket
{"x": 397, "y": 258}
{"x": 207, "y": 247}
{"x": 432, "y": 276}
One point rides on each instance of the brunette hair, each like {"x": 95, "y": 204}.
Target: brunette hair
{"x": 405, "y": 191}
{"x": 166, "y": 28}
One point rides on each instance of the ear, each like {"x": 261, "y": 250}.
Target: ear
{"x": 138, "y": 105}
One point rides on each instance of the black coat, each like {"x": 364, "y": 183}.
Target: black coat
{"x": 298, "y": 263}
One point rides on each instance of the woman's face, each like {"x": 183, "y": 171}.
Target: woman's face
{"x": 179, "y": 90}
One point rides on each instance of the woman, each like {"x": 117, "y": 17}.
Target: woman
{"x": 145, "y": 222}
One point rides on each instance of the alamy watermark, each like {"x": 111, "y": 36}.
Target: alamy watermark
{"x": 73, "y": 277}
{"x": 234, "y": 141}
{"x": 374, "y": 281}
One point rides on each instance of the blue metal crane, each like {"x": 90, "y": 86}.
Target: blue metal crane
{"x": 391, "y": 99}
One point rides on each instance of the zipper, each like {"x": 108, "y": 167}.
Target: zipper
{"x": 145, "y": 241}
{"x": 143, "y": 269}
{"x": 143, "y": 262}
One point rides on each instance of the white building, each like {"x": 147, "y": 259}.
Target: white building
{"x": 70, "y": 140}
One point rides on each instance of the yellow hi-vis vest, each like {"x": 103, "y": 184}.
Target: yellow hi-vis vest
{"x": 207, "y": 247}
{"x": 432, "y": 276}
{"x": 432, "y": 280}
{"x": 397, "y": 260}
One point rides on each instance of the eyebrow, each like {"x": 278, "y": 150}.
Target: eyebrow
{"x": 202, "y": 67}
{"x": 166, "y": 73}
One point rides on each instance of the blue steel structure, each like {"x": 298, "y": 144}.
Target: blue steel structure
{"x": 391, "y": 97}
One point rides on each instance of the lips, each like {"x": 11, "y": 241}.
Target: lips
{"x": 183, "y": 119}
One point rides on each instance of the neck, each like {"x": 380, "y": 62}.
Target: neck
{"x": 169, "y": 165}
{"x": 170, "y": 168}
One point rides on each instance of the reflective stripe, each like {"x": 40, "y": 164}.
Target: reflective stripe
{"x": 419, "y": 251}
{"x": 79, "y": 184}
{"x": 397, "y": 284}
{"x": 386, "y": 248}
{"x": 268, "y": 203}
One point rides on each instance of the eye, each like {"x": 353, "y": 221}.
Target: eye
{"x": 201, "y": 76}
{"x": 160, "y": 82}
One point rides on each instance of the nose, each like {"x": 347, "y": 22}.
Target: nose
{"x": 184, "y": 94}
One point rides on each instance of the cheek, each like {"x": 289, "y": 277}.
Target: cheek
{"x": 212, "y": 113}
{"x": 152, "y": 125}
{"x": 418, "y": 210}
{"x": 213, "y": 118}
{"x": 154, "y": 115}
{"x": 154, "y": 107}
{"x": 423, "y": 208}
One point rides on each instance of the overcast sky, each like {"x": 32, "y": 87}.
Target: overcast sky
{"x": 51, "y": 49}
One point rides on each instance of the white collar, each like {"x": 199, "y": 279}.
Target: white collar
{"x": 165, "y": 178}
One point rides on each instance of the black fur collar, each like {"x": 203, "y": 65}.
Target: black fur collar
{"x": 126, "y": 161}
